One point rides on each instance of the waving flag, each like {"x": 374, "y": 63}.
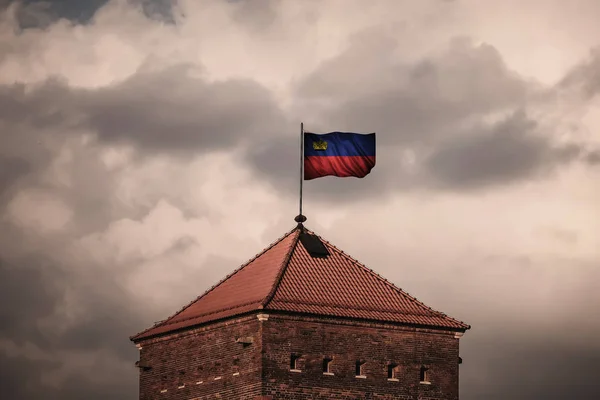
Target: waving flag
{"x": 341, "y": 154}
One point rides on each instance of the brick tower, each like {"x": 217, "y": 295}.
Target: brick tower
{"x": 301, "y": 320}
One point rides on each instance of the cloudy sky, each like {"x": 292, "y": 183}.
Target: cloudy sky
{"x": 148, "y": 148}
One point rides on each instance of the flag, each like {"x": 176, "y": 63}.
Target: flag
{"x": 339, "y": 154}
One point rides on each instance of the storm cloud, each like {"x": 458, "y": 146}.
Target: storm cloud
{"x": 148, "y": 148}
{"x": 443, "y": 111}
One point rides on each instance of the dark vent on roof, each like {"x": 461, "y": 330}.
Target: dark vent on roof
{"x": 313, "y": 245}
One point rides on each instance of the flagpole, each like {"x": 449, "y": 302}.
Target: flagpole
{"x": 301, "y": 218}
{"x": 301, "y": 161}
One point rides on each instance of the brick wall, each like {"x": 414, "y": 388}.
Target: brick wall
{"x": 377, "y": 345}
{"x": 179, "y": 361}
{"x": 209, "y": 355}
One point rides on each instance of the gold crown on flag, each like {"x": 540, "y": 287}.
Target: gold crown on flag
{"x": 320, "y": 145}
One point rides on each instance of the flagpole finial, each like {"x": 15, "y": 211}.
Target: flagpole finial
{"x": 300, "y": 219}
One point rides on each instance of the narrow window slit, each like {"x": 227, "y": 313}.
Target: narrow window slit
{"x": 327, "y": 366}
{"x": 393, "y": 372}
{"x": 360, "y": 368}
{"x": 294, "y": 365}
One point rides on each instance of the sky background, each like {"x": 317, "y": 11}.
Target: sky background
{"x": 149, "y": 148}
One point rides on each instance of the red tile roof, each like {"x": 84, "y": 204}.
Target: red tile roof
{"x": 285, "y": 277}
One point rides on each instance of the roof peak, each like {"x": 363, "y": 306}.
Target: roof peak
{"x": 313, "y": 277}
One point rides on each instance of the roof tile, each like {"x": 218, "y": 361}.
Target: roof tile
{"x": 285, "y": 277}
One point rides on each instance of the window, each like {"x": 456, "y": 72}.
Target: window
{"x": 424, "y": 375}
{"x": 393, "y": 372}
{"x": 294, "y": 362}
{"x": 327, "y": 366}
{"x": 360, "y": 368}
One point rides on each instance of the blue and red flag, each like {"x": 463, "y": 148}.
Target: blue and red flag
{"x": 340, "y": 154}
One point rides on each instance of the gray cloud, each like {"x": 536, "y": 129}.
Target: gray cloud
{"x": 436, "y": 107}
{"x": 35, "y": 15}
{"x": 39, "y": 106}
{"x": 37, "y": 277}
{"x": 26, "y": 275}
{"x": 40, "y": 14}
{"x": 433, "y": 107}
{"x": 30, "y": 146}
{"x": 160, "y": 10}
{"x": 161, "y": 110}
{"x": 585, "y": 77}
{"x": 412, "y": 103}
{"x": 11, "y": 169}
{"x": 593, "y": 157}
{"x": 506, "y": 151}
{"x": 532, "y": 370}
{"x": 21, "y": 376}
{"x": 172, "y": 110}
{"x": 255, "y": 15}
{"x": 524, "y": 343}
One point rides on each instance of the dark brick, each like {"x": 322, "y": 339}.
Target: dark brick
{"x": 202, "y": 355}
{"x": 211, "y": 351}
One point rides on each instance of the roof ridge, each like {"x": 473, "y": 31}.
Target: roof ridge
{"x": 162, "y": 323}
{"x": 388, "y": 283}
{"x": 283, "y": 268}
